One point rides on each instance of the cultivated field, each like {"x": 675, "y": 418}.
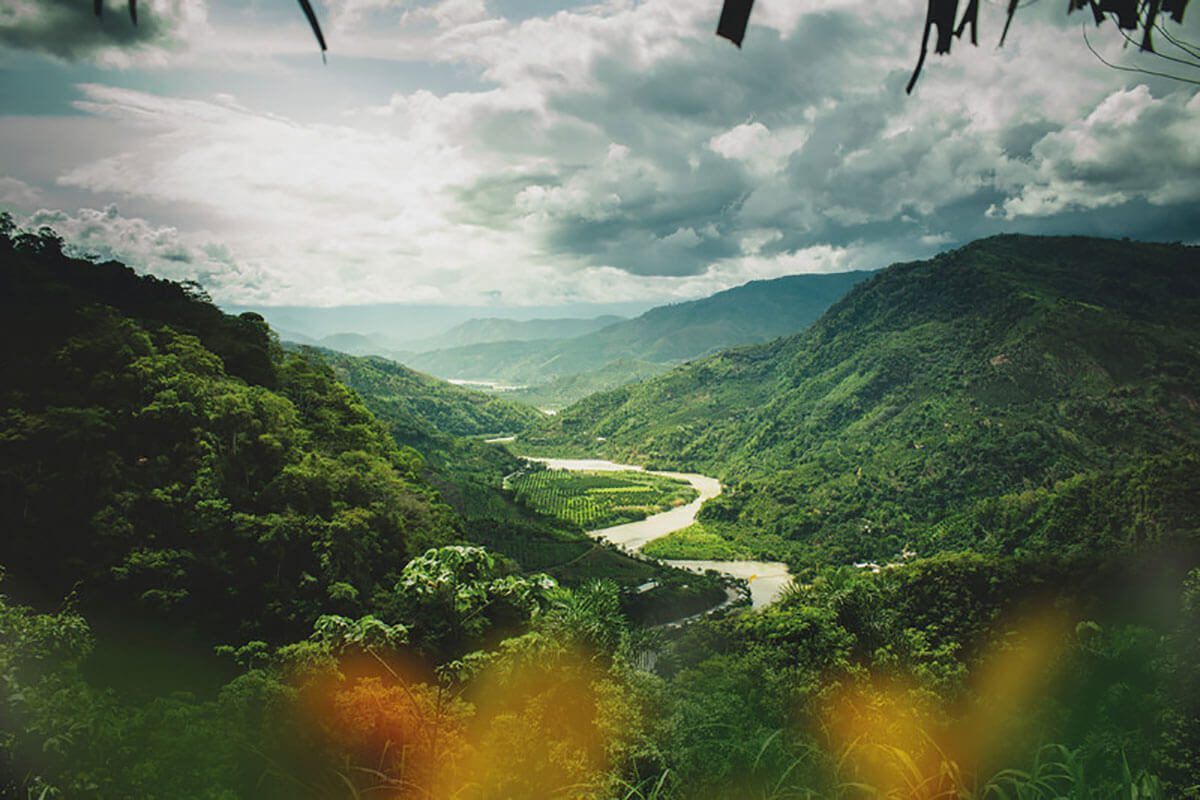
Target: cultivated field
{"x": 599, "y": 499}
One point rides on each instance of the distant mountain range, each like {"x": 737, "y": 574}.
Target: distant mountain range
{"x": 393, "y": 324}
{"x": 754, "y": 312}
{"x": 494, "y": 329}
{"x": 561, "y": 360}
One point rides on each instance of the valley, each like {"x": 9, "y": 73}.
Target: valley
{"x": 766, "y": 580}
{"x": 306, "y": 556}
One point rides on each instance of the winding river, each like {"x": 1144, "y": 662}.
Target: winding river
{"x": 767, "y": 578}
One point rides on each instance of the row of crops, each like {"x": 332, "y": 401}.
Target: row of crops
{"x": 598, "y": 499}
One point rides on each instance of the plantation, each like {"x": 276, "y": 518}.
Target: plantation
{"x": 721, "y": 541}
{"x": 599, "y": 499}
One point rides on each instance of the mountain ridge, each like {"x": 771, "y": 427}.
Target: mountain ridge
{"x": 1008, "y": 365}
{"x": 756, "y": 311}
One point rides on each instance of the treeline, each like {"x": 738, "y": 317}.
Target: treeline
{"x": 959, "y": 677}
{"x": 161, "y": 460}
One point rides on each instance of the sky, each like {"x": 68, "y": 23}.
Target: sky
{"x": 543, "y": 153}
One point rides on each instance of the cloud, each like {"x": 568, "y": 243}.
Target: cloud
{"x": 67, "y": 29}
{"x": 805, "y": 139}
{"x": 1131, "y": 146}
{"x": 162, "y": 250}
{"x": 18, "y": 193}
{"x": 621, "y": 151}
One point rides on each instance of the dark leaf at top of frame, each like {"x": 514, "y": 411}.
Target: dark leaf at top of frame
{"x": 1175, "y": 8}
{"x": 316, "y": 26}
{"x": 1125, "y": 10}
{"x": 735, "y": 16}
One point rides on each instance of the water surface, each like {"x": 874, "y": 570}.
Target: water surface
{"x": 767, "y": 578}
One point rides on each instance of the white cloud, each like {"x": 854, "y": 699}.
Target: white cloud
{"x": 622, "y": 151}
{"x": 19, "y": 194}
{"x": 163, "y": 250}
{"x": 1130, "y": 146}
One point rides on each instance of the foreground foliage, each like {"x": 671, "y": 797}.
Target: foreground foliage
{"x": 961, "y": 677}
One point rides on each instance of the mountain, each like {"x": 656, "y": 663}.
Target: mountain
{"x": 177, "y": 472}
{"x": 219, "y": 574}
{"x": 965, "y": 401}
{"x": 443, "y": 406}
{"x": 392, "y": 324}
{"x": 495, "y": 329}
{"x": 754, "y": 312}
{"x": 561, "y": 392}
{"x": 355, "y": 343}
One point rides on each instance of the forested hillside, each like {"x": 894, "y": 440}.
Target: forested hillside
{"x": 1021, "y": 392}
{"x": 448, "y": 408}
{"x": 562, "y": 392}
{"x": 164, "y": 460}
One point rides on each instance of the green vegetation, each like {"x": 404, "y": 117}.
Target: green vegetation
{"x": 962, "y": 676}
{"x": 960, "y": 402}
{"x": 468, "y": 474}
{"x": 591, "y": 500}
{"x": 448, "y": 408}
{"x": 711, "y": 540}
{"x": 166, "y": 463}
{"x": 222, "y": 577}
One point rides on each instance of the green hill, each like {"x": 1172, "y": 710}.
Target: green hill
{"x": 442, "y": 422}
{"x": 438, "y": 420}
{"x": 942, "y": 404}
{"x": 170, "y": 465}
{"x": 755, "y": 312}
{"x": 448, "y": 408}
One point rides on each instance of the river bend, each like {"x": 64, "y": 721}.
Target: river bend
{"x": 767, "y": 579}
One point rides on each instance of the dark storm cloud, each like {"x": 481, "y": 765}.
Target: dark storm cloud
{"x": 878, "y": 168}
{"x": 673, "y": 220}
{"x": 711, "y": 85}
{"x": 669, "y": 205}
{"x": 69, "y": 30}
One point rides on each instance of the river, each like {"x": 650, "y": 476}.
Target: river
{"x": 767, "y": 579}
